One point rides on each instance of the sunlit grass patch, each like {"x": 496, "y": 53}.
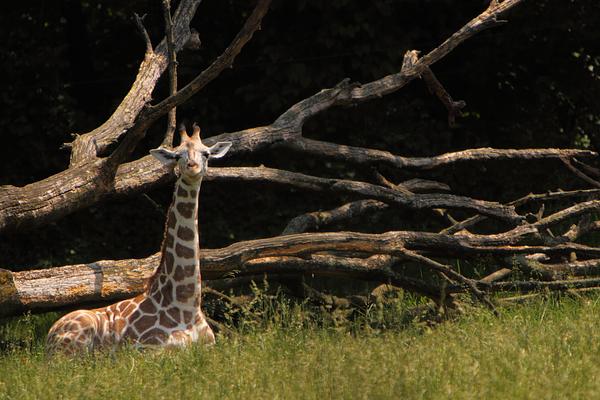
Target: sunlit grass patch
{"x": 547, "y": 348}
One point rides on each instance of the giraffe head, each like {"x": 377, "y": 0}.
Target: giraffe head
{"x": 191, "y": 155}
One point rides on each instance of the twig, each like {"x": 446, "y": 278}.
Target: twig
{"x": 382, "y": 180}
{"x": 496, "y": 275}
{"x": 363, "y": 189}
{"x": 570, "y": 212}
{"x": 225, "y": 60}
{"x": 318, "y": 219}
{"x": 139, "y": 21}
{"x": 587, "y": 168}
{"x": 435, "y": 87}
{"x": 580, "y": 174}
{"x": 171, "y": 119}
{"x": 88, "y": 146}
{"x": 559, "y": 195}
{"x": 450, "y": 273}
{"x": 532, "y": 286}
{"x": 366, "y": 156}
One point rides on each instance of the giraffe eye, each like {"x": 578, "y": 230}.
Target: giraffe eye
{"x": 205, "y": 154}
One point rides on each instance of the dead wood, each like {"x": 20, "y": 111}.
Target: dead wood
{"x": 172, "y": 117}
{"x": 532, "y": 244}
{"x": 90, "y": 178}
{"x": 87, "y": 146}
{"x": 374, "y": 257}
{"x": 66, "y": 192}
{"x": 319, "y": 219}
{"x": 585, "y": 194}
{"x": 436, "y": 87}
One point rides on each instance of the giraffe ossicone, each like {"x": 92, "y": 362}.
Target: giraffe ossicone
{"x": 168, "y": 313}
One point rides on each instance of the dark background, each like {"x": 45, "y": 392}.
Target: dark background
{"x": 534, "y": 82}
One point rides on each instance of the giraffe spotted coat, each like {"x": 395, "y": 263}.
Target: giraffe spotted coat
{"x": 168, "y": 313}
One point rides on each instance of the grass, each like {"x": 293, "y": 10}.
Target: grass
{"x": 546, "y": 349}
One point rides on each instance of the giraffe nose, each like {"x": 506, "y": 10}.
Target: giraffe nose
{"x": 192, "y": 164}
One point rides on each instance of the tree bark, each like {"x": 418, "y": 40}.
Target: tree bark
{"x": 55, "y": 197}
{"x": 95, "y": 175}
{"x": 349, "y": 254}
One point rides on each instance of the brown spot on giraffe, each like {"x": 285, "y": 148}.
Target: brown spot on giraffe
{"x": 186, "y": 209}
{"x": 155, "y": 336}
{"x": 185, "y": 233}
{"x": 179, "y": 274}
{"x": 171, "y": 220}
{"x": 184, "y": 292}
{"x": 175, "y": 314}
{"x": 167, "y": 321}
{"x": 182, "y": 193}
{"x": 167, "y": 294}
{"x": 188, "y": 317}
{"x": 119, "y": 325}
{"x": 147, "y": 306}
{"x": 189, "y": 270}
{"x": 134, "y": 316}
{"x": 144, "y": 323}
{"x": 184, "y": 251}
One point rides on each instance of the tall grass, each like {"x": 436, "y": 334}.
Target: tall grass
{"x": 546, "y": 349}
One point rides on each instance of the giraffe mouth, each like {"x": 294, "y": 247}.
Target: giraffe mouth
{"x": 193, "y": 175}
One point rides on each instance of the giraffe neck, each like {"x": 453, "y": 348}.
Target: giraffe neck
{"x": 177, "y": 281}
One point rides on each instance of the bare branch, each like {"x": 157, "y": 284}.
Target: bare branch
{"x": 450, "y": 273}
{"x": 559, "y": 195}
{"x": 435, "y": 87}
{"x": 318, "y": 219}
{"x": 139, "y": 21}
{"x": 532, "y": 286}
{"x": 571, "y": 212}
{"x": 497, "y": 275}
{"x": 225, "y": 60}
{"x": 580, "y": 174}
{"x": 416, "y": 201}
{"x": 361, "y": 155}
{"x": 346, "y": 93}
{"x": 106, "y": 280}
{"x": 86, "y": 147}
{"x": 593, "y": 171}
{"x": 172, "y": 118}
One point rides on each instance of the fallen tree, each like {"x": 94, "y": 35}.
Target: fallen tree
{"x": 546, "y": 249}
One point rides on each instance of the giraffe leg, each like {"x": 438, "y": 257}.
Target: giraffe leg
{"x": 76, "y": 332}
{"x": 205, "y": 334}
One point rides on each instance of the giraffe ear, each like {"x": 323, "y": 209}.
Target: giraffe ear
{"x": 219, "y": 149}
{"x": 165, "y": 156}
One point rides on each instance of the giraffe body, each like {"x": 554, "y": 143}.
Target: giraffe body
{"x": 168, "y": 313}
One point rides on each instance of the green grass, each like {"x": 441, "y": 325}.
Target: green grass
{"x": 547, "y": 349}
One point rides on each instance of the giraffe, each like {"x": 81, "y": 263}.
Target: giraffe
{"x": 168, "y": 313}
